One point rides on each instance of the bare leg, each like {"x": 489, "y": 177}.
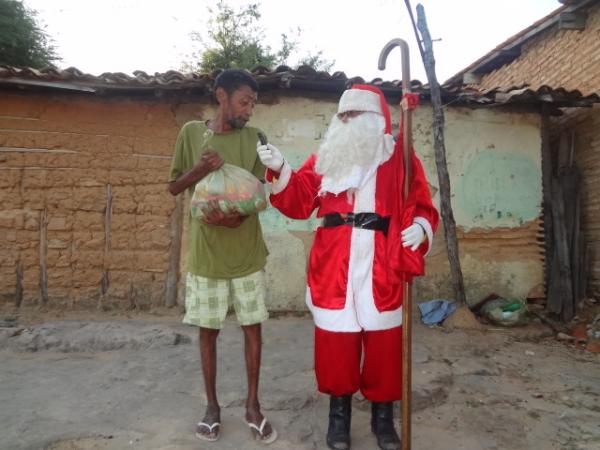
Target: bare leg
{"x": 208, "y": 356}
{"x": 253, "y": 347}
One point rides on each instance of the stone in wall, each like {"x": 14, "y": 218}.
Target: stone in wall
{"x": 90, "y": 198}
{"x": 10, "y": 198}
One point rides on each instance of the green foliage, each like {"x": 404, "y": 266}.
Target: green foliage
{"x": 236, "y": 41}
{"x": 317, "y": 62}
{"x": 22, "y": 42}
{"x": 288, "y": 46}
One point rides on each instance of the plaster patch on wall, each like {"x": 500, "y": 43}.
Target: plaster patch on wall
{"x": 300, "y": 128}
{"x": 499, "y": 189}
{"x": 296, "y": 130}
{"x": 482, "y": 277}
{"x": 272, "y": 220}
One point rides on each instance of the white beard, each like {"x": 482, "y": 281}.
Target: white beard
{"x": 352, "y": 151}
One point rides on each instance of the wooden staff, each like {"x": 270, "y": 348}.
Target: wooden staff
{"x": 407, "y": 288}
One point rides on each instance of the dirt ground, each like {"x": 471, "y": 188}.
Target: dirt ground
{"x": 114, "y": 381}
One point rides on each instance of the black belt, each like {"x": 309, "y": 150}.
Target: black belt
{"x": 367, "y": 221}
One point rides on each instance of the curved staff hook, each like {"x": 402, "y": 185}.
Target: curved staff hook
{"x": 406, "y": 112}
{"x": 407, "y": 290}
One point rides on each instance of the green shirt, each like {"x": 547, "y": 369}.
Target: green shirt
{"x": 217, "y": 251}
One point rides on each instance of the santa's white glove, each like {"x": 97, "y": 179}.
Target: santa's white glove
{"x": 413, "y": 236}
{"x": 270, "y": 156}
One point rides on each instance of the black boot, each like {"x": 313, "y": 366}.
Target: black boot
{"x": 338, "y": 433}
{"x": 382, "y": 425}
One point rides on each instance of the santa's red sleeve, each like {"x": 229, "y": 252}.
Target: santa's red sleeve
{"x": 403, "y": 263}
{"x": 295, "y": 194}
{"x": 425, "y": 213}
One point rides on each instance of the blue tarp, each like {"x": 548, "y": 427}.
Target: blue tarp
{"x": 435, "y": 311}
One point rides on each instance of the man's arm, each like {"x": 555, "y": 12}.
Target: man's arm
{"x": 295, "y": 194}
{"x": 209, "y": 162}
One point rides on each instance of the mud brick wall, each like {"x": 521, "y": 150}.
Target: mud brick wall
{"x": 585, "y": 129}
{"x": 569, "y": 59}
{"x": 85, "y": 217}
{"x": 580, "y": 128}
{"x": 558, "y": 58}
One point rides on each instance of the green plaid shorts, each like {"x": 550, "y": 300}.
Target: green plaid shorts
{"x": 207, "y": 300}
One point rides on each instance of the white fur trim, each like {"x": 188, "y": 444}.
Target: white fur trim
{"x": 428, "y": 230}
{"x": 334, "y": 319}
{"x": 359, "y": 100}
{"x": 360, "y": 273}
{"x": 284, "y": 178}
{"x": 388, "y": 145}
{"x": 359, "y": 311}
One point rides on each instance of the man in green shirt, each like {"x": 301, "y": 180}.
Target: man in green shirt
{"x": 226, "y": 253}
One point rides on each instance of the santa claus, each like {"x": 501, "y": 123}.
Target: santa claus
{"x": 370, "y": 241}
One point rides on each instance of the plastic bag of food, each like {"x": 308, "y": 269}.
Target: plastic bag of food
{"x": 505, "y": 312}
{"x": 234, "y": 189}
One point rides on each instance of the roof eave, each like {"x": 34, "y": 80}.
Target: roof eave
{"x": 510, "y": 49}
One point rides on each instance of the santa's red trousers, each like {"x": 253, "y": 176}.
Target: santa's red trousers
{"x": 340, "y": 372}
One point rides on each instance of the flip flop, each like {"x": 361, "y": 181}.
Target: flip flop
{"x": 210, "y": 428}
{"x": 259, "y": 436}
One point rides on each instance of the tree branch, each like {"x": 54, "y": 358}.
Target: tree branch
{"x": 440, "y": 158}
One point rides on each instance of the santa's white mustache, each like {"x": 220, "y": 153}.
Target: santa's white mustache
{"x": 352, "y": 143}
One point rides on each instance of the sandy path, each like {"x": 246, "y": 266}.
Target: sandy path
{"x": 135, "y": 384}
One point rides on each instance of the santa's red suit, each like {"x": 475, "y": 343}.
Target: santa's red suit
{"x": 354, "y": 274}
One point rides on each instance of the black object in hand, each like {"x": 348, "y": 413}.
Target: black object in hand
{"x": 262, "y": 138}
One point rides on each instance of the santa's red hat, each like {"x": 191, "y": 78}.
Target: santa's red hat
{"x": 366, "y": 98}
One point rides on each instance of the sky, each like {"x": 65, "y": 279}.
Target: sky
{"x": 99, "y": 36}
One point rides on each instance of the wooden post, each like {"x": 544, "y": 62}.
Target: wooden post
{"x": 42, "y": 252}
{"x": 174, "y": 253}
{"x": 440, "y": 159}
{"x": 105, "y": 281}
{"x": 564, "y": 291}
{"x": 19, "y": 285}
{"x": 132, "y": 296}
{"x": 547, "y": 196}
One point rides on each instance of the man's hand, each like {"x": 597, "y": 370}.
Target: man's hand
{"x": 270, "y": 156}
{"x": 214, "y": 216}
{"x": 209, "y": 162}
{"x": 413, "y": 236}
